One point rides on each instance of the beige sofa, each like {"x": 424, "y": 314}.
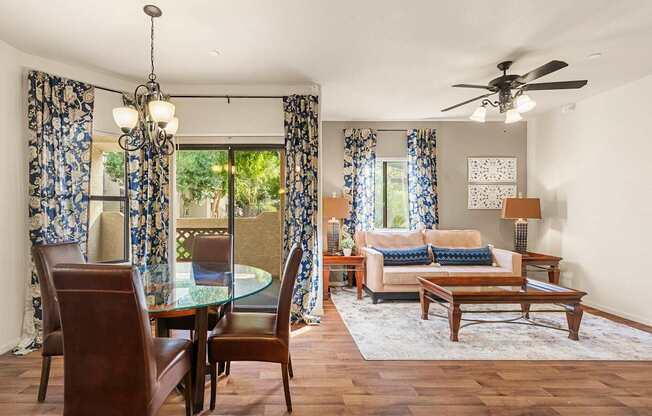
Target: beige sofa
{"x": 400, "y": 282}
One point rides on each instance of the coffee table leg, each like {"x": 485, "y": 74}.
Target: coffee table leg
{"x": 425, "y": 304}
{"x": 574, "y": 318}
{"x": 454, "y": 319}
{"x": 525, "y": 308}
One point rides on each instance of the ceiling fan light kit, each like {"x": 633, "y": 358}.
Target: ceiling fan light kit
{"x": 512, "y": 116}
{"x": 511, "y": 88}
{"x": 149, "y": 119}
{"x": 479, "y": 115}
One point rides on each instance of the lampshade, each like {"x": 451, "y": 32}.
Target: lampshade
{"x": 524, "y": 103}
{"x": 512, "y": 116}
{"x": 125, "y": 117}
{"x": 172, "y": 127}
{"x": 521, "y": 208}
{"x": 161, "y": 111}
{"x": 336, "y": 207}
{"x": 479, "y": 115}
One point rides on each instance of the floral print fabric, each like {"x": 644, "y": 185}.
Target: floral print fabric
{"x": 302, "y": 198}
{"x": 60, "y": 124}
{"x": 359, "y": 178}
{"x": 148, "y": 178}
{"x": 422, "y": 178}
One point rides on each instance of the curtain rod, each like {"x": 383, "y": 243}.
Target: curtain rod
{"x": 228, "y": 97}
{"x": 399, "y": 130}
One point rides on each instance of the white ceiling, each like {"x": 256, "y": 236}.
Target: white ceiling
{"x": 374, "y": 59}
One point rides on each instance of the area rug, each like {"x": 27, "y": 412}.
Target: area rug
{"x": 395, "y": 331}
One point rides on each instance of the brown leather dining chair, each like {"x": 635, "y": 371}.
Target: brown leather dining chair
{"x": 246, "y": 336}
{"x": 213, "y": 250}
{"x": 113, "y": 365}
{"x": 46, "y": 256}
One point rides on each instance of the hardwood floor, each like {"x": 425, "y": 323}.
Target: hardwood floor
{"x": 331, "y": 378}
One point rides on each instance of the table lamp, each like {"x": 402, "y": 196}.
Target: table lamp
{"x": 521, "y": 209}
{"x": 335, "y": 208}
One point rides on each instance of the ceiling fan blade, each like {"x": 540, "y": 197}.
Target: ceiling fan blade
{"x": 486, "y": 87}
{"x": 562, "y": 85}
{"x": 468, "y": 101}
{"x": 546, "y": 69}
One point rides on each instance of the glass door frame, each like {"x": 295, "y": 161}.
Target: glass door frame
{"x": 231, "y": 149}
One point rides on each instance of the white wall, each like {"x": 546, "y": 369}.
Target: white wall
{"x": 13, "y": 200}
{"x": 592, "y": 170}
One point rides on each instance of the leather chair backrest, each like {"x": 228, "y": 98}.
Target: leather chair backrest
{"x": 46, "y": 256}
{"x": 107, "y": 339}
{"x": 212, "y": 249}
{"x": 290, "y": 272}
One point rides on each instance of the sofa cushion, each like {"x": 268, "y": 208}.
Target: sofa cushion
{"x": 407, "y": 275}
{"x": 405, "y": 256}
{"x": 476, "y": 271}
{"x": 463, "y": 256}
{"x": 394, "y": 239}
{"x": 453, "y": 238}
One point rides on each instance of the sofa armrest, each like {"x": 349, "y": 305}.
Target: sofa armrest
{"x": 373, "y": 268}
{"x": 508, "y": 260}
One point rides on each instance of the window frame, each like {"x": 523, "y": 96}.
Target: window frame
{"x": 126, "y": 252}
{"x": 384, "y": 161}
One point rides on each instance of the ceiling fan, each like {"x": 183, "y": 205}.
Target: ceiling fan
{"x": 511, "y": 88}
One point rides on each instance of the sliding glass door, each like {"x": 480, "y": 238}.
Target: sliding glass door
{"x": 236, "y": 190}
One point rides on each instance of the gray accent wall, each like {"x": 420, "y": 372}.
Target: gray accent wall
{"x": 456, "y": 140}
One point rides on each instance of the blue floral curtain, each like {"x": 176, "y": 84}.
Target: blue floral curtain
{"x": 60, "y": 124}
{"x": 302, "y": 196}
{"x": 422, "y": 178}
{"x": 359, "y": 178}
{"x": 148, "y": 178}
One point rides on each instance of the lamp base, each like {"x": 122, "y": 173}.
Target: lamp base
{"x": 520, "y": 236}
{"x": 333, "y": 236}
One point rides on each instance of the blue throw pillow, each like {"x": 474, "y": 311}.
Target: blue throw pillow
{"x": 463, "y": 256}
{"x": 405, "y": 256}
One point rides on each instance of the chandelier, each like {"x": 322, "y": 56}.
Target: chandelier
{"x": 147, "y": 120}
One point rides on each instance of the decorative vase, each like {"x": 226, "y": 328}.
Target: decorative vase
{"x": 347, "y": 251}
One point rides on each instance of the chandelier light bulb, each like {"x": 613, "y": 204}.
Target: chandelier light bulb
{"x": 524, "y": 103}
{"x": 512, "y": 116}
{"x": 161, "y": 111}
{"x": 125, "y": 117}
{"x": 172, "y": 127}
{"x": 479, "y": 115}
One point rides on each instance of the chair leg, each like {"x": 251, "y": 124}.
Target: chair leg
{"x": 45, "y": 377}
{"x": 290, "y": 366}
{"x": 227, "y": 368}
{"x": 286, "y": 387}
{"x": 213, "y": 370}
{"x": 187, "y": 392}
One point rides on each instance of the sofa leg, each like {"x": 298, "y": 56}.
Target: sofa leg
{"x": 374, "y": 299}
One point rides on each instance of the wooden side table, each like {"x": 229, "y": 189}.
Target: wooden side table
{"x": 350, "y": 263}
{"x": 541, "y": 262}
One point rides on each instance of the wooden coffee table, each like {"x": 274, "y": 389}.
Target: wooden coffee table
{"x": 452, "y": 292}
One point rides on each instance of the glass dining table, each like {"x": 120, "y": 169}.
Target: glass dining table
{"x": 189, "y": 292}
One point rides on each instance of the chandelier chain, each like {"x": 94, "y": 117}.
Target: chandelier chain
{"x": 152, "y": 75}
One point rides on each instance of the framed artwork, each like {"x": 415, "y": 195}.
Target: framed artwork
{"x": 489, "y": 196}
{"x": 492, "y": 169}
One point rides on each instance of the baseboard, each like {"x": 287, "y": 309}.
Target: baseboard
{"x": 8, "y": 346}
{"x": 618, "y": 313}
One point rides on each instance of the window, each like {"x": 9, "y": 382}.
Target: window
{"x": 108, "y": 224}
{"x": 391, "y": 194}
